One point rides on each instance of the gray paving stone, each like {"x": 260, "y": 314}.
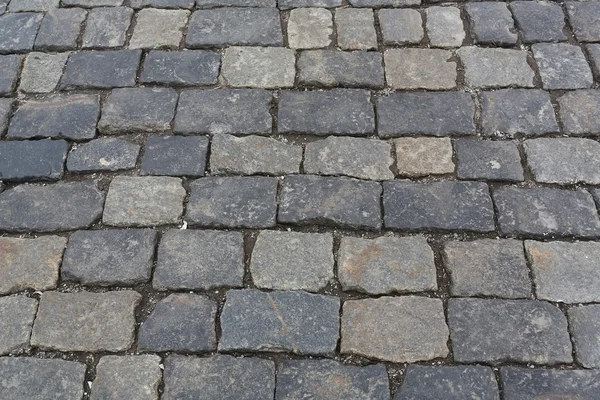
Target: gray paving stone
{"x": 384, "y": 3}
{"x": 18, "y": 31}
{"x": 235, "y": 27}
{"x": 180, "y": 322}
{"x": 585, "y": 324}
{"x": 175, "y": 155}
{"x": 33, "y": 5}
{"x": 336, "y": 111}
{"x": 16, "y": 319}
{"x": 562, "y": 66}
{"x": 593, "y": 51}
{"x": 60, "y": 29}
{"x": 143, "y": 201}
{"x": 25, "y": 378}
{"x": 434, "y": 114}
{"x": 443, "y": 205}
{"x": 401, "y": 26}
{"x": 338, "y": 201}
{"x": 32, "y": 160}
{"x": 42, "y": 72}
{"x": 127, "y": 377}
{"x": 92, "y": 3}
{"x": 487, "y": 267}
{"x": 292, "y": 260}
{"x": 105, "y": 154}
{"x": 109, "y": 257}
{"x": 6, "y": 106}
{"x": 162, "y": 3}
{"x": 223, "y": 111}
{"x": 199, "y": 259}
{"x": 444, "y": 26}
{"x": 309, "y": 28}
{"x": 287, "y": 4}
{"x": 289, "y": 321}
{"x": 11, "y": 68}
{"x": 262, "y": 67}
{"x": 157, "y": 28}
{"x": 487, "y": 159}
{"x": 59, "y": 207}
{"x": 524, "y": 383}
{"x": 539, "y": 21}
{"x": 546, "y": 211}
{"x": 396, "y": 329}
{"x": 77, "y": 321}
{"x": 101, "y": 69}
{"x": 495, "y": 68}
{"x": 106, "y": 27}
{"x": 420, "y": 68}
{"x": 219, "y": 377}
{"x": 424, "y": 156}
{"x": 448, "y": 383}
{"x": 3, "y": 5}
{"x": 253, "y": 155}
{"x": 235, "y": 3}
{"x": 583, "y": 18}
{"x": 491, "y": 23}
{"x": 355, "y": 29}
{"x": 330, "y": 380}
{"x": 578, "y": 111}
{"x": 331, "y": 68}
{"x": 181, "y": 68}
{"x": 495, "y": 331}
{"x": 386, "y": 265}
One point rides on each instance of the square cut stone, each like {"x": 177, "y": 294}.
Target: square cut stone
{"x": 562, "y": 66}
{"x": 16, "y": 319}
{"x": 488, "y": 159}
{"x": 401, "y": 26}
{"x": 101, "y": 69}
{"x": 495, "y": 68}
{"x": 355, "y": 29}
{"x": 156, "y": 28}
{"x": 420, "y": 69}
{"x": 181, "y": 68}
{"x": 444, "y": 26}
{"x": 330, "y": 68}
{"x": 106, "y": 27}
{"x": 105, "y": 154}
{"x": 18, "y": 31}
{"x": 175, "y": 155}
{"x": 546, "y": 383}
{"x": 424, "y": 156}
{"x": 42, "y": 72}
{"x": 263, "y": 67}
{"x": 491, "y": 23}
{"x": 309, "y": 28}
{"x": 579, "y": 110}
{"x": 584, "y": 18}
{"x": 32, "y": 160}
{"x": 11, "y": 67}
{"x": 60, "y": 29}
{"x": 585, "y": 325}
{"x": 539, "y": 21}
{"x": 127, "y": 377}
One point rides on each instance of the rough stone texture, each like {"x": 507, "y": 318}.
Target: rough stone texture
{"x": 396, "y": 329}
{"x": 294, "y": 321}
{"x": 156, "y": 28}
{"x": 539, "y": 21}
{"x": 77, "y": 321}
{"x": 593, "y": 51}
{"x": 487, "y": 159}
{"x": 287, "y": 4}
{"x": 59, "y": 207}
{"x": 11, "y": 67}
{"x": 106, "y": 27}
{"x": 292, "y": 260}
{"x": 495, "y": 68}
{"x": 433, "y": 114}
{"x": 386, "y": 265}
{"x": 424, "y": 156}
{"x": 60, "y": 29}
{"x": 199, "y": 259}
{"x": 355, "y": 29}
{"x": 263, "y": 67}
{"x": 163, "y": 3}
{"x": 32, "y": 5}
{"x": 338, "y": 201}
{"x": 253, "y": 155}
{"x": 16, "y": 319}
{"x": 185, "y": 68}
{"x": 585, "y": 325}
{"x": 219, "y": 377}
{"x": 180, "y": 322}
{"x": 309, "y": 28}
{"x": 32, "y": 160}
{"x": 175, "y": 155}
{"x": 101, "y": 69}
{"x": 524, "y": 383}
{"x": 6, "y": 106}
{"x": 444, "y": 26}
{"x": 92, "y": 3}
{"x": 233, "y": 3}
{"x": 420, "y": 68}
{"x": 400, "y": 26}
{"x": 242, "y": 202}
{"x": 109, "y": 257}
{"x": 491, "y": 23}
{"x": 487, "y": 267}
{"x": 330, "y": 380}
{"x": 18, "y": 31}
{"x": 444, "y": 205}
{"x": 384, "y": 3}
{"x": 27, "y": 378}
{"x": 562, "y": 66}
{"x": 579, "y": 110}
{"x": 331, "y": 68}
{"x": 42, "y": 72}
{"x": 546, "y": 211}
{"x": 143, "y": 201}
{"x": 106, "y": 154}
{"x": 584, "y": 17}
{"x": 127, "y": 377}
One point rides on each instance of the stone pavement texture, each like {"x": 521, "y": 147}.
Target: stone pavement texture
{"x": 299, "y": 199}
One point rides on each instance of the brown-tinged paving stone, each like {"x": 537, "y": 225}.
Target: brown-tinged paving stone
{"x": 526, "y": 383}
{"x": 164, "y": 3}
{"x": 400, "y": 26}
{"x": 106, "y": 27}
{"x": 330, "y": 68}
{"x": 101, "y": 69}
{"x": 127, "y": 377}
{"x": 16, "y": 319}
{"x": 355, "y": 29}
{"x": 488, "y": 159}
{"x": 157, "y": 28}
{"x": 444, "y": 26}
{"x": 579, "y": 110}
{"x": 495, "y": 68}
{"x": 585, "y": 325}
{"x": 60, "y": 29}
{"x": 562, "y": 66}
{"x": 424, "y": 156}
{"x": 42, "y": 72}
{"x": 420, "y": 69}
{"x": 309, "y": 28}
{"x": 259, "y": 67}
{"x": 104, "y": 154}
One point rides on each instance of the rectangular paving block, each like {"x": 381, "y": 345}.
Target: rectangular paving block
{"x": 231, "y": 3}
{"x": 422, "y": 156}
{"x": 593, "y": 51}
{"x": 162, "y": 3}
{"x": 355, "y": 29}
{"x": 491, "y": 23}
{"x": 32, "y": 160}
{"x": 101, "y": 69}
{"x": 60, "y": 29}
{"x": 175, "y": 155}
{"x": 287, "y": 4}
{"x": 562, "y": 66}
{"x": 181, "y": 68}
{"x": 542, "y": 21}
{"x": 11, "y": 69}
{"x": 495, "y": 68}
{"x": 583, "y": 18}
{"x": 16, "y": 318}
{"x": 401, "y": 26}
{"x": 156, "y": 28}
{"x": 18, "y": 31}
{"x": 127, "y": 377}
{"x": 444, "y": 26}
{"x": 526, "y": 383}
{"x": 493, "y": 160}
{"x": 42, "y": 72}
{"x": 384, "y": 3}
{"x": 585, "y": 323}
{"x": 309, "y": 28}
{"x": 6, "y": 106}
{"x": 104, "y": 154}
{"x": 410, "y": 69}
{"x": 329, "y": 68}
{"x": 578, "y": 110}
{"x": 33, "y": 5}
{"x": 106, "y": 27}
{"x": 260, "y": 67}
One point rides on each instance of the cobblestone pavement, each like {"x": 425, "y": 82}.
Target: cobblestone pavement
{"x": 299, "y": 199}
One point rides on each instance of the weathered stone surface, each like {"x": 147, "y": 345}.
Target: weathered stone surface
{"x": 60, "y": 29}
{"x": 287, "y": 4}
{"x": 330, "y": 380}
{"x": 163, "y": 3}
{"x": 355, "y": 29}
{"x": 420, "y": 68}
{"x": 101, "y": 69}
{"x": 546, "y": 211}
{"x": 105, "y": 154}
{"x": 28, "y": 378}
{"x": 434, "y": 114}
{"x": 18, "y": 31}
{"x": 487, "y": 159}
{"x": 585, "y": 325}
{"x": 539, "y": 21}
{"x": 578, "y": 111}
{"x": 180, "y": 322}
{"x": 16, "y": 319}
{"x": 424, "y": 156}
{"x": 401, "y": 26}
{"x": 106, "y": 27}
{"x": 186, "y": 68}
{"x": 59, "y": 207}
{"x": 440, "y": 205}
{"x": 234, "y": 3}
{"x": 494, "y": 331}
{"x": 42, "y": 72}
{"x": 525, "y": 383}
{"x": 444, "y": 26}
{"x": 108, "y": 257}
{"x": 199, "y": 259}
{"x": 78, "y": 321}
{"x": 386, "y": 265}
{"x": 263, "y": 67}
{"x": 495, "y": 68}
{"x": 156, "y": 28}
{"x": 339, "y": 201}
{"x": 384, "y": 3}
{"x": 93, "y": 3}
{"x": 6, "y": 106}
{"x": 243, "y": 202}
{"x": 562, "y": 66}
{"x": 175, "y": 155}
{"x": 309, "y": 28}
{"x": 33, "y": 5}
{"x": 491, "y": 23}
{"x": 127, "y": 377}
{"x": 32, "y": 160}
{"x": 396, "y": 329}
{"x": 593, "y": 51}
{"x": 583, "y": 17}
{"x": 218, "y": 377}
{"x": 11, "y": 67}
{"x": 331, "y": 68}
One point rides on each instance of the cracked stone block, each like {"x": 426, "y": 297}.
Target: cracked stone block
{"x": 223, "y": 111}
{"x": 199, "y": 259}
{"x": 127, "y": 377}
{"x": 156, "y": 28}
{"x": 11, "y": 68}
{"x": 288, "y": 4}
{"x": 180, "y": 322}
{"x": 433, "y": 114}
{"x": 280, "y": 321}
{"x": 355, "y": 29}
{"x": 62, "y": 206}
{"x": 292, "y": 260}
{"x": 384, "y": 3}
{"x": 18, "y": 31}
{"x": 6, "y": 106}
{"x": 396, "y": 329}
{"x": 309, "y": 28}
{"x": 93, "y": 3}
{"x": 32, "y": 160}
{"x": 181, "y": 68}
{"x": 105, "y": 154}
{"x": 77, "y": 321}
{"x": 106, "y": 27}
{"x": 42, "y": 72}
{"x": 234, "y": 3}
{"x": 16, "y": 319}
{"x": 218, "y": 377}
{"x": 401, "y": 26}
{"x": 60, "y": 29}
{"x": 33, "y": 5}
{"x": 109, "y": 257}
{"x": 526, "y": 383}
{"x": 444, "y": 26}
{"x": 335, "y": 111}
{"x": 593, "y": 51}
{"x": 101, "y": 69}
{"x": 233, "y": 202}
{"x": 262, "y": 67}
{"x": 579, "y": 111}
{"x": 495, "y": 331}
{"x": 585, "y": 325}
{"x": 496, "y": 68}
{"x": 539, "y": 21}
{"x": 29, "y": 378}
{"x": 449, "y": 206}
{"x": 546, "y": 211}
{"x": 338, "y": 201}
{"x": 584, "y": 18}
{"x": 253, "y": 155}
{"x": 357, "y": 157}
{"x": 562, "y": 66}
{"x": 491, "y": 23}
{"x": 175, "y": 155}
{"x": 488, "y": 159}
{"x": 330, "y": 68}
{"x": 163, "y": 3}
{"x": 386, "y": 265}
{"x": 420, "y": 68}
{"x": 330, "y": 380}
{"x": 424, "y": 156}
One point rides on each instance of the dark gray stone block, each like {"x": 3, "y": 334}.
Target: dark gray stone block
{"x": 60, "y": 29}
{"x": 32, "y": 160}
{"x": 491, "y": 23}
{"x": 384, "y": 3}
{"x": 6, "y": 106}
{"x": 490, "y": 160}
{"x": 562, "y": 66}
{"x": 127, "y": 377}
{"x": 185, "y": 68}
{"x": 10, "y": 65}
{"x": 175, "y": 155}
{"x": 162, "y": 3}
{"x": 101, "y": 69}
{"x": 331, "y": 68}
{"x": 18, "y": 31}
{"x": 539, "y": 21}
{"x": 526, "y": 384}
{"x": 585, "y": 325}
{"x": 235, "y": 3}
{"x": 16, "y": 318}
{"x": 584, "y": 17}
{"x": 106, "y": 27}
{"x": 105, "y": 154}
{"x": 288, "y": 4}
